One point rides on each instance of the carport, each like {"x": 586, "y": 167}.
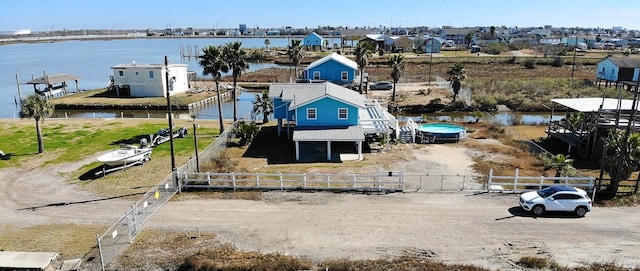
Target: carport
{"x": 328, "y": 135}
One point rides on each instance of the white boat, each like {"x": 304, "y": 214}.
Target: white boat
{"x": 125, "y": 155}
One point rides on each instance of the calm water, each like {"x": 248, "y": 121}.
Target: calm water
{"x": 501, "y": 118}
{"x": 92, "y": 61}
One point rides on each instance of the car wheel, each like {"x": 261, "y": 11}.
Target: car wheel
{"x": 581, "y": 211}
{"x": 537, "y": 210}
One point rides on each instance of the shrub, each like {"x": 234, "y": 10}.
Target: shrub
{"x": 495, "y": 48}
{"x": 512, "y": 60}
{"x": 458, "y": 104}
{"x": 486, "y": 102}
{"x": 530, "y": 64}
{"x": 557, "y": 62}
{"x": 534, "y": 262}
{"x": 436, "y": 101}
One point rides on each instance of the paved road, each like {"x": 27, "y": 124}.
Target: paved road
{"x": 482, "y": 229}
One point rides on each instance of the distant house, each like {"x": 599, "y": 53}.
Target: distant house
{"x": 375, "y": 40}
{"x": 618, "y": 71}
{"x": 465, "y": 36}
{"x": 149, "y": 80}
{"x": 334, "y": 68}
{"x": 313, "y": 41}
{"x": 432, "y": 45}
{"x": 399, "y": 44}
{"x": 325, "y": 115}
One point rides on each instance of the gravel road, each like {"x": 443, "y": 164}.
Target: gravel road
{"x": 482, "y": 229}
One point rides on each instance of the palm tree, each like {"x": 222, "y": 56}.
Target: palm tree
{"x": 236, "y": 58}
{"x": 562, "y": 164}
{"x": 264, "y": 105}
{"x": 397, "y": 67}
{"x": 213, "y": 64}
{"x": 296, "y": 53}
{"x": 363, "y": 52}
{"x": 492, "y": 32}
{"x": 624, "y": 156}
{"x": 36, "y": 107}
{"x": 267, "y": 42}
{"x": 456, "y": 73}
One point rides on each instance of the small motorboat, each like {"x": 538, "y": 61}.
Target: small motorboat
{"x": 126, "y": 155}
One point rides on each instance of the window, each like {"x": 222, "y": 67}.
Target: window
{"x": 121, "y": 73}
{"x": 342, "y": 113}
{"x": 151, "y": 75}
{"x": 312, "y": 113}
{"x": 137, "y": 73}
{"x": 344, "y": 76}
{"x": 316, "y": 75}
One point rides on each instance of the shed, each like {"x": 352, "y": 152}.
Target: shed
{"x": 19, "y": 260}
{"x": 149, "y": 80}
{"x": 55, "y": 84}
{"x": 620, "y": 71}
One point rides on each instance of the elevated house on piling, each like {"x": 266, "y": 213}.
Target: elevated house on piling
{"x": 325, "y": 116}
{"x": 149, "y": 80}
{"x": 55, "y": 85}
{"x": 586, "y": 122}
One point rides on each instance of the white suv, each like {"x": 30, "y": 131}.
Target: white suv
{"x": 558, "y": 199}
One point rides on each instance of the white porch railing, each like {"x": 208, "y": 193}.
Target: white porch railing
{"x": 519, "y": 183}
{"x": 382, "y": 182}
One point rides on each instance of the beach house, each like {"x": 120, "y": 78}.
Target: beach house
{"x": 149, "y": 80}
{"x": 313, "y": 41}
{"x": 618, "y": 71}
{"x": 326, "y": 116}
{"x": 432, "y": 45}
{"x": 334, "y": 68}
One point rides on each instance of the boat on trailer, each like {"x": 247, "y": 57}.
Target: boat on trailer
{"x": 163, "y": 135}
{"x": 126, "y": 155}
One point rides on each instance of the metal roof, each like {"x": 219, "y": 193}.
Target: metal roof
{"x": 594, "y": 104}
{"x": 338, "y": 58}
{"x": 51, "y": 79}
{"x": 626, "y": 62}
{"x": 26, "y": 260}
{"x": 351, "y": 133}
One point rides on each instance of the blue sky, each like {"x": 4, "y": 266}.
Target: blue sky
{"x": 45, "y": 15}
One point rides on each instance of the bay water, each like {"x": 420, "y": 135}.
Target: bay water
{"x": 92, "y": 60}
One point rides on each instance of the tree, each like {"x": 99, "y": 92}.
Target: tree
{"x": 295, "y": 52}
{"x": 397, "y": 67}
{"x": 212, "y": 63}
{"x": 623, "y": 156}
{"x": 418, "y": 43}
{"x": 246, "y": 132}
{"x": 267, "y": 42}
{"x": 456, "y": 73}
{"x": 492, "y": 32}
{"x": 236, "y": 58}
{"x": 37, "y": 107}
{"x": 363, "y": 52}
{"x": 562, "y": 164}
{"x": 263, "y": 104}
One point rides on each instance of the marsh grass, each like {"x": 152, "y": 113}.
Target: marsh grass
{"x": 68, "y": 240}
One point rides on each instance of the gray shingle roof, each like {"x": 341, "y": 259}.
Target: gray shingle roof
{"x": 301, "y": 94}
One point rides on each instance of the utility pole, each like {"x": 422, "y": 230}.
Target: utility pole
{"x": 430, "y": 61}
{"x": 173, "y": 159}
{"x": 575, "y": 49}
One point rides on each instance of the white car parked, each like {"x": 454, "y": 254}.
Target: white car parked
{"x": 556, "y": 199}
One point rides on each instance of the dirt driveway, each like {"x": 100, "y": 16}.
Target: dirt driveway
{"x": 456, "y": 227}
{"x": 481, "y": 229}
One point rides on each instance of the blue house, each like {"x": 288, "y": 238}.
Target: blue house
{"x": 324, "y": 115}
{"x": 334, "y": 68}
{"x": 313, "y": 41}
{"x": 618, "y": 71}
{"x": 432, "y": 45}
